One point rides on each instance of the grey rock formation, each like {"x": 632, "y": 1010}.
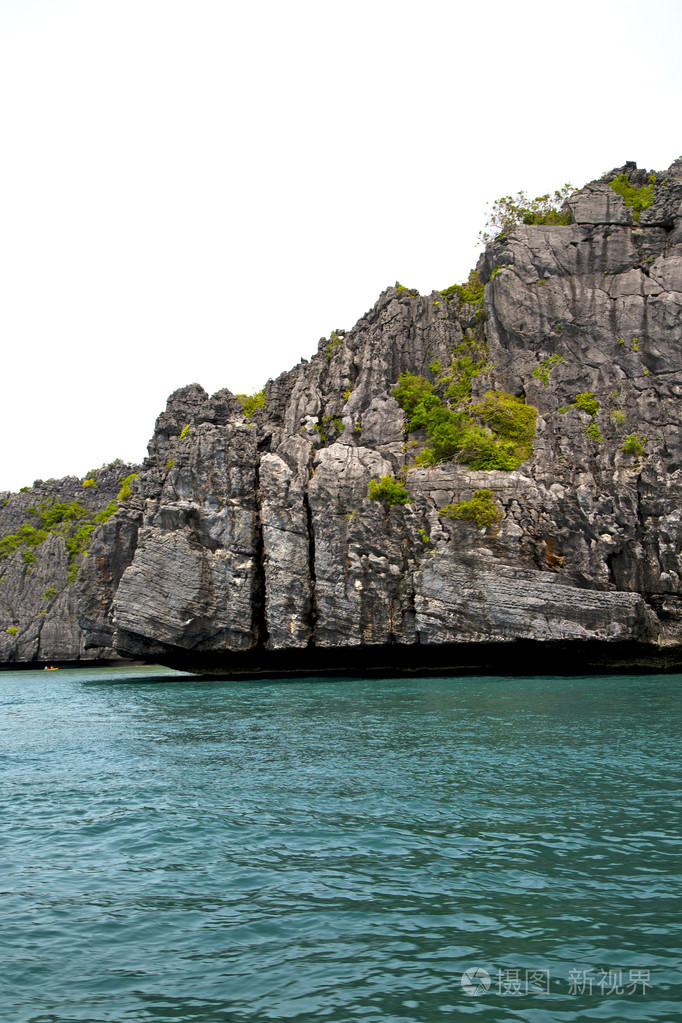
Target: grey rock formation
{"x": 250, "y": 545}
{"x": 38, "y": 615}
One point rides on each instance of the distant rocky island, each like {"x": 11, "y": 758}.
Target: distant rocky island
{"x": 485, "y": 477}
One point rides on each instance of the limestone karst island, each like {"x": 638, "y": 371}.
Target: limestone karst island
{"x": 490, "y": 474}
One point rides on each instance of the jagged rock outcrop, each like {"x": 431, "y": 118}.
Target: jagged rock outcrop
{"x": 251, "y": 542}
{"x": 44, "y": 530}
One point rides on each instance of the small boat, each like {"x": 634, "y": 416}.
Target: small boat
{"x": 50, "y": 668}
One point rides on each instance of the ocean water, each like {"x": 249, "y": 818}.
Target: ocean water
{"x": 176, "y": 849}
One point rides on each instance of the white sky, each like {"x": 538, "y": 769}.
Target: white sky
{"x": 200, "y": 190}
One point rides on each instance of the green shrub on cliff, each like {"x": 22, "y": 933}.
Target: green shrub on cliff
{"x": 106, "y": 513}
{"x": 70, "y": 520}
{"x": 125, "y": 493}
{"x": 411, "y": 391}
{"x": 403, "y": 289}
{"x": 637, "y": 199}
{"x": 470, "y": 293}
{"x": 510, "y": 210}
{"x": 481, "y": 449}
{"x": 251, "y": 402}
{"x": 25, "y": 536}
{"x": 544, "y": 370}
{"x": 497, "y": 433}
{"x": 389, "y": 490}
{"x": 79, "y": 541}
{"x": 512, "y": 420}
{"x": 334, "y": 343}
{"x": 481, "y": 509}
{"x": 587, "y": 403}
{"x": 634, "y": 445}
{"x": 468, "y": 360}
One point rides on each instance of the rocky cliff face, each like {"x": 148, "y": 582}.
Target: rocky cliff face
{"x": 44, "y": 531}
{"x": 250, "y": 542}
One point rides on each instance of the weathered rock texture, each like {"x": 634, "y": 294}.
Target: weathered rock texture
{"x": 38, "y": 615}
{"x": 250, "y": 544}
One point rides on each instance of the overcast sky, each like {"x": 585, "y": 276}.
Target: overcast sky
{"x": 198, "y": 190}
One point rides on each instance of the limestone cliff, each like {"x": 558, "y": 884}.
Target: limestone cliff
{"x": 44, "y": 532}
{"x": 250, "y": 543}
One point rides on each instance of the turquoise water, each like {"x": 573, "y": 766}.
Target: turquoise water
{"x": 176, "y": 849}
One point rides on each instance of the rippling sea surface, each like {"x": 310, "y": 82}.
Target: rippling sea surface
{"x": 176, "y": 849}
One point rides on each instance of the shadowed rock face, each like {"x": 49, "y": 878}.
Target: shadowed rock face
{"x": 249, "y": 544}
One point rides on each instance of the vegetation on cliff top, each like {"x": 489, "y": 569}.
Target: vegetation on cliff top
{"x": 469, "y": 293}
{"x": 252, "y": 402}
{"x": 637, "y": 199}
{"x": 510, "y": 210}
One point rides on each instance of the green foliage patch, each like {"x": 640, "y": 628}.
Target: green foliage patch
{"x": 481, "y": 509}
{"x": 587, "y": 403}
{"x": 468, "y": 360}
{"x": 593, "y": 432}
{"x": 69, "y": 520}
{"x": 184, "y": 432}
{"x": 413, "y": 391}
{"x": 402, "y": 289}
{"x": 106, "y": 513}
{"x": 125, "y": 493}
{"x": 334, "y": 343}
{"x": 510, "y": 210}
{"x": 512, "y": 420}
{"x": 389, "y": 490}
{"x": 470, "y": 293}
{"x": 634, "y": 445}
{"x": 496, "y": 433}
{"x": 252, "y": 402}
{"x": 544, "y": 371}
{"x": 637, "y": 199}
{"x": 319, "y": 430}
